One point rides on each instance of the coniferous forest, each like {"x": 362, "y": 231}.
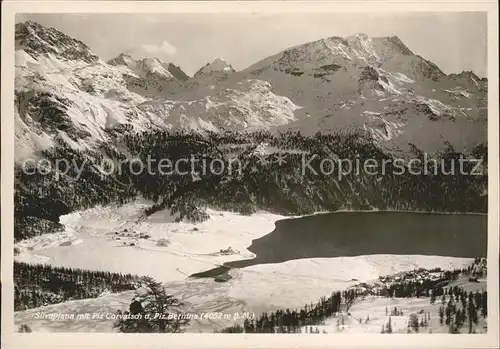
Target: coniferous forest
{"x": 40, "y": 199}
{"x": 283, "y": 188}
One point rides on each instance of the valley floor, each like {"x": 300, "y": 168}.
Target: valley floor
{"x": 170, "y": 251}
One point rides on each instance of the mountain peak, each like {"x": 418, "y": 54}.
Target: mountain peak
{"x": 358, "y": 36}
{"x": 218, "y": 65}
{"x": 394, "y": 44}
{"x": 219, "y": 60}
{"x": 36, "y": 40}
{"x": 124, "y": 55}
{"x": 153, "y": 66}
{"x": 177, "y": 72}
{"x": 122, "y": 59}
{"x": 149, "y": 65}
{"x": 348, "y": 54}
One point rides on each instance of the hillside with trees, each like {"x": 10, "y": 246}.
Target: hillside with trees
{"x": 262, "y": 182}
{"x": 37, "y": 285}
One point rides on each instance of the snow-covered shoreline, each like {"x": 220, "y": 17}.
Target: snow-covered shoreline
{"x": 193, "y": 248}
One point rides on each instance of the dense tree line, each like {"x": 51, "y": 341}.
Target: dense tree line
{"x": 427, "y": 287}
{"x": 40, "y": 198}
{"x": 419, "y": 288}
{"x": 410, "y": 289}
{"x": 37, "y": 284}
{"x": 247, "y": 185}
{"x": 459, "y": 308}
{"x": 292, "y": 321}
{"x": 286, "y": 189}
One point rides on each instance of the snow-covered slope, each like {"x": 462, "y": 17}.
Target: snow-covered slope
{"x": 59, "y": 100}
{"x": 213, "y": 73}
{"x": 379, "y": 85}
{"x": 66, "y": 94}
{"x": 250, "y": 104}
{"x": 219, "y": 65}
{"x": 36, "y": 39}
{"x": 156, "y": 78}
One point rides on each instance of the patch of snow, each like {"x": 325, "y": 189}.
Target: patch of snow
{"x": 389, "y": 87}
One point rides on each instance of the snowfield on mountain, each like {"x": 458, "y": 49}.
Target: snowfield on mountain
{"x": 345, "y": 82}
{"x": 359, "y": 82}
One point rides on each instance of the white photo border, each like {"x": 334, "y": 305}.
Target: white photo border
{"x": 11, "y": 339}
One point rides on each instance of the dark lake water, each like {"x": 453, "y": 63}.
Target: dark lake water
{"x": 342, "y": 234}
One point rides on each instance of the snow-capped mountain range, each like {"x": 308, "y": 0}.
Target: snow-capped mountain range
{"x": 155, "y": 76}
{"x": 66, "y": 93}
{"x": 379, "y": 85}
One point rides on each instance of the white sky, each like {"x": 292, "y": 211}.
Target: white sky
{"x": 454, "y": 41}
